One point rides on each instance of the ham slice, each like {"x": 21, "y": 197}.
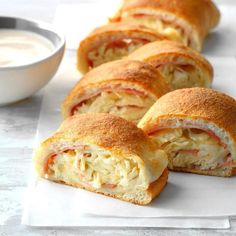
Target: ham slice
{"x": 228, "y": 162}
{"x": 49, "y": 161}
{"x": 209, "y": 132}
{"x": 118, "y": 43}
{"x": 129, "y": 106}
{"x": 85, "y": 98}
{"x": 183, "y": 66}
{"x": 124, "y": 43}
{"x": 110, "y": 186}
{"x": 51, "y": 158}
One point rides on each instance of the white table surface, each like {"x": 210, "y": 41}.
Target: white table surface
{"x": 18, "y": 124}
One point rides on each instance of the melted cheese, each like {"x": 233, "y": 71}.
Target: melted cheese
{"x": 99, "y": 169}
{"x": 173, "y": 141}
{"x": 179, "y": 78}
{"x": 166, "y": 29}
{"x": 101, "y": 54}
{"x": 128, "y": 106}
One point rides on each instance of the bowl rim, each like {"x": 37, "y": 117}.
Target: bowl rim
{"x": 41, "y": 25}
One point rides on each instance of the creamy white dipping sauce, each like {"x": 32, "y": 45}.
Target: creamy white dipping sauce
{"x": 18, "y": 47}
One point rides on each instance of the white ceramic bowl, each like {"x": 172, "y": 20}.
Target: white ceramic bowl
{"x": 19, "y": 82}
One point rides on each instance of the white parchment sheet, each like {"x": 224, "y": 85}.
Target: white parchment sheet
{"x": 187, "y": 201}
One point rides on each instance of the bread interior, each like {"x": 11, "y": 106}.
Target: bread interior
{"x": 125, "y": 104}
{"x": 168, "y": 29}
{"x": 96, "y": 168}
{"x": 113, "y": 49}
{"x": 183, "y": 75}
{"x": 193, "y": 149}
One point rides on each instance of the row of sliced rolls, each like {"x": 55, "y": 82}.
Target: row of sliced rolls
{"x": 140, "y": 22}
{"x": 129, "y": 87}
{"x": 185, "y": 21}
{"x": 188, "y": 130}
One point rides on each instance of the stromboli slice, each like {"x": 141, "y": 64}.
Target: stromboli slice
{"x": 186, "y": 21}
{"x": 181, "y": 66}
{"x": 112, "y": 42}
{"x": 105, "y": 154}
{"x": 125, "y": 88}
{"x": 197, "y": 129}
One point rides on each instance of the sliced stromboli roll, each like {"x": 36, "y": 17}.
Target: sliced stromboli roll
{"x": 181, "y": 66}
{"x": 186, "y": 21}
{"x": 112, "y": 42}
{"x": 197, "y": 129}
{"x": 125, "y": 88}
{"x": 105, "y": 154}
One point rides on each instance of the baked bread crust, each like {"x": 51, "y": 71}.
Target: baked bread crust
{"x": 160, "y": 52}
{"x": 220, "y": 172}
{"x": 127, "y": 73}
{"x": 198, "y": 16}
{"x": 123, "y": 26}
{"x": 195, "y": 103}
{"x": 196, "y": 107}
{"x": 152, "y": 192}
{"x": 122, "y": 138}
{"x": 114, "y": 31}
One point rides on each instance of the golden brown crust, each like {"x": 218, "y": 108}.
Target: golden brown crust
{"x": 233, "y": 172}
{"x": 220, "y": 172}
{"x": 159, "y": 52}
{"x": 156, "y": 187}
{"x": 202, "y": 15}
{"x": 132, "y": 71}
{"x": 194, "y": 103}
{"x": 127, "y": 73}
{"x": 107, "y": 131}
{"x": 123, "y": 27}
{"x": 153, "y": 191}
{"x": 108, "y": 32}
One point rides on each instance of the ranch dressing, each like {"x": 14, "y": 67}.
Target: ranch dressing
{"x": 18, "y": 47}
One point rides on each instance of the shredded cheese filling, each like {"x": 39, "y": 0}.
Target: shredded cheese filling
{"x": 99, "y": 169}
{"x": 178, "y": 78}
{"x": 187, "y": 148}
{"x": 164, "y": 28}
{"x": 128, "y": 106}
{"x": 103, "y": 53}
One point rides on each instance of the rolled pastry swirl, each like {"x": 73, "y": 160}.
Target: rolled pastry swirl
{"x": 124, "y": 88}
{"x": 105, "y": 154}
{"x": 181, "y": 66}
{"x": 197, "y": 129}
{"x": 186, "y": 21}
{"x": 112, "y": 42}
